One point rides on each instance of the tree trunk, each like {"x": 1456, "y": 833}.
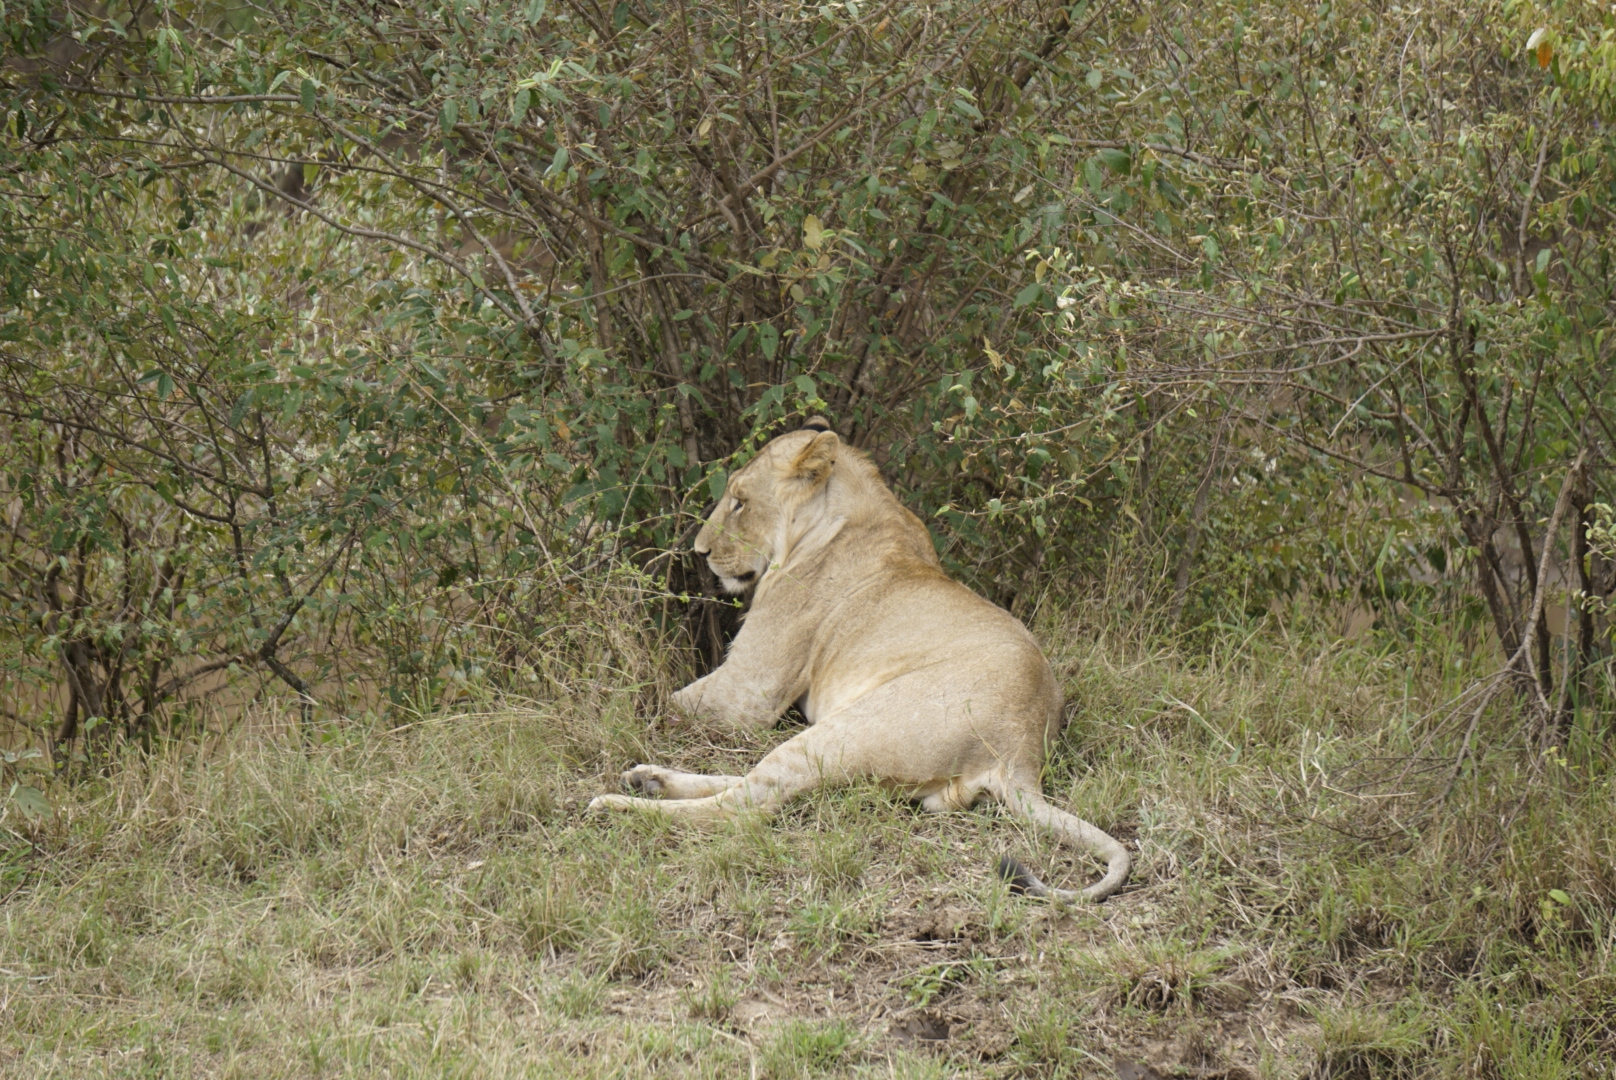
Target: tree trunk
{"x": 1192, "y": 535}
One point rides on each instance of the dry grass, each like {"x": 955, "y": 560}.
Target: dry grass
{"x": 430, "y": 900}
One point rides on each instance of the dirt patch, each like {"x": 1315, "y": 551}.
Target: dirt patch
{"x": 936, "y": 925}
{"x": 756, "y": 1012}
{"x": 1134, "y": 1070}
{"x": 923, "y": 1028}
{"x": 1129, "y": 1069}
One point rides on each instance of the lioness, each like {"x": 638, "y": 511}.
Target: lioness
{"x": 905, "y": 676}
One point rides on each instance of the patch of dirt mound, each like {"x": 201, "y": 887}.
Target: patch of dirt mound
{"x": 921, "y": 1028}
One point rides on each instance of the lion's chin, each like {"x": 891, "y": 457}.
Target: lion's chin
{"x": 737, "y": 585}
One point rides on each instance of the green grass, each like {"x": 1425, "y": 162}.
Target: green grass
{"x": 430, "y": 900}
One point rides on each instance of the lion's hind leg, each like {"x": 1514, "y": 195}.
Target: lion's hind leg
{"x": 672, "y": 784}
{"x": 948, "y": 796}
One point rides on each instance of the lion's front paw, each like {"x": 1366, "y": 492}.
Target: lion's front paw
{"x": 603, "y": 804}
{"x": 646, "y": 779}
{"x": 686, "y": 703}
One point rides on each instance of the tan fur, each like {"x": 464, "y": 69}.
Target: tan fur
{"x": 905, "y": 676}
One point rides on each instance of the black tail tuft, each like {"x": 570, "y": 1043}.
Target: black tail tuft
{"x": 1019, "y": 878}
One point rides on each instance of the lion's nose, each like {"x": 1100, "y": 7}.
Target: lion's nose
{"x": 703, "y": 551}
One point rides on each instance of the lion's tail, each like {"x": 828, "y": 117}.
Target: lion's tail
{"x": 1070, "y": 830}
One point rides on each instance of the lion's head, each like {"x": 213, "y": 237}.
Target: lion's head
{"x": 757, "y": 519}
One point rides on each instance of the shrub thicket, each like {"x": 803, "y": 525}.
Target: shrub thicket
{"x": 366, "y": 345}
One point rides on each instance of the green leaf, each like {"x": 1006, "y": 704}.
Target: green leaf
{"x": 965, "y": 108}
{"x": 558, "y": 164}
{"x": 1094, "y": 174}
{"x": 30, "y": 800}
{"x": 1560, "y": 897}
{"x": 768, "y": 339}
{"x": 928, "y": 120}
{"x": 450, "y": 116}
{"x": 806, "y": 385}
{"x": 717, "y": 480}
{"x": 524, "y": 98}
{"x": 308, "y": 91}
{"x": 1118, "y": 161}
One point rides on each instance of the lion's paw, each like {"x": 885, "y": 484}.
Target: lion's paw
{"x": 685, "y": 704}
{"x": 646, "y": 779}
{"x": 603, "y": 804}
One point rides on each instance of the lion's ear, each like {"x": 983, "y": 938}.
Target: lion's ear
{"x": 813, "y": 462}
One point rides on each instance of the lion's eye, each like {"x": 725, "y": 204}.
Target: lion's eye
{"x": 736, "y": 506}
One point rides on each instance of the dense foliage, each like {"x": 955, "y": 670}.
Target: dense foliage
{"x": 354, "y": 350}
